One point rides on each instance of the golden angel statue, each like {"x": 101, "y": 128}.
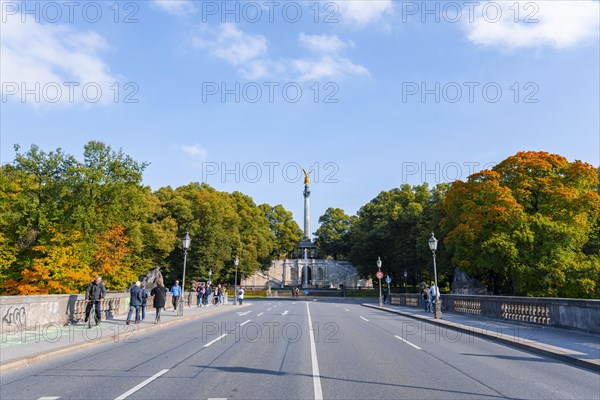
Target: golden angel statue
{"x": 306, "y": 177}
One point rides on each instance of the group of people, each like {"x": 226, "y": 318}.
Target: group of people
{"x": 205, "y": 295}
{"x": 429, "y": 295}
{"x": 96, "y": 291}
{"x": 296, "y": 291}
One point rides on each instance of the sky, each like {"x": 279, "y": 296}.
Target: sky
{"x": 367, "y": 95}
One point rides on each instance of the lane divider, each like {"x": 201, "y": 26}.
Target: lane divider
{"x": 213, "y": 341}
{"x": 141, "y": 385}
{"x": 407, "y": 342}
{"x": 363, "y": 318}
{"x": 313, "y": 355}
{"x": 245, "y": 322}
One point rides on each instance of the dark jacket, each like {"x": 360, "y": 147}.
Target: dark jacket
{"x": 160, "y": 296}
{"x": 144, "y": 296}
{"x": 136, "y": 296}
{"x": 95, "y": 291}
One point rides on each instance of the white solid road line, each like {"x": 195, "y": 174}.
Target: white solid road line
{"x": 141, "y": 385}
{"x": 49, "y": 398}
{"x": 313, "y": 356}
{"x": 245, "y": 322}
{"x": 407, "y": 342}
{"x": 363, "y": 318}
{"x": 213, "y": 341}
{"x": 258, "y": 315}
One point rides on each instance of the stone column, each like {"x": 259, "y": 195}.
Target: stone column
{"x": 306, "y": 213}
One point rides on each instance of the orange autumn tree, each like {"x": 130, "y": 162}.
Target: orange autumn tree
{"x": 528, "y": 226}
{"x": 112, "y": 258}
{"x": 58, "y": 267}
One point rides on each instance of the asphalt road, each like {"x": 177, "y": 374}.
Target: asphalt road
{"x": 265, "y": 351}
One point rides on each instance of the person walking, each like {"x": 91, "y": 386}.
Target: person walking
{"x": 93, "y": 294}
{"x": 434, "y": 292}
{"x": 175, "y": 293}
{"x": 219, "y": 295}
{"x": 144, "y": 300}
{"x": 240, "y": 295}
{"x": 425, "y": 296}
{"x": 160, "y": 298}
{"x": 200, "y": 296}
{"x": 208, "y": 295}
{"x": 191, "y": 294}
{"x": 135, "y": 302}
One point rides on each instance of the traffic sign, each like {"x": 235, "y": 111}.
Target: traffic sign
{"x": 388, "y": 280}
{"x": 379, "y": 275}
{"x": 306, "y": 292}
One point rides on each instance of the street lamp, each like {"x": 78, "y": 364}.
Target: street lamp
{"x": 235, "y": 262}
{"x": 379, "y": 276}
{"x": 438, "y": 301}
{"x": 405, "y": 286}
{"x": 186, "y": 241}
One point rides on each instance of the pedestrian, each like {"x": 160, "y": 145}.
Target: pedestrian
{"x": 135, "y": 302}
{"x": 208, "y": 295}
{"x": 434, "y": 295}
{"x": 240, "y": 295}
{"x": 219, "y": 295}
{"x": 93, "y": 294}
{"x": 175, "y": 293}
{"x": 385, "y": 295}
{"x": 200, "y": 296}
{"x": 160, "y": 298}
{"x": 425, "y": 296}
{"x": 144, "y": 300}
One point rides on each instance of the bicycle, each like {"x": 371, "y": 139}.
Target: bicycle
{"x": 92, "y": 311}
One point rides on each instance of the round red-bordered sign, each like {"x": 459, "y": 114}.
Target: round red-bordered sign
{"x": 379, "y": 275}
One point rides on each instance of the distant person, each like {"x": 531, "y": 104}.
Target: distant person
{"x": 434, "y": 292}
{"x": 135, "y": 302}
{"x": 219, "y": 295}
{"x": 200, "y": 296}
{"x": 191, "y": 294}
{"x": 240, "y": 295}
{"x": 175, "y": 293}
{"x": 144, "y": 300}
{"x": 297, "y": 291}
{"x": 160, "y": 298}
{"x": 208, "y": 294}
{"x": 93, "y": 294}
{"x": 425, "y": 296}
{"x": 385, "y": 295}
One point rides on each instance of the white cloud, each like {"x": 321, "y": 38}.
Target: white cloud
{"x": 36, "y": 55}
{"x": 560, "y": 24}
{"x": 195, "y": 151}
{"x": 322, "y": 43}
{"x": 250, "y": 54}
{"x": 176, "y": 7}
{"x": 363, "y": 12}
{"x": 330, "y": 67}
{"x": 245, "y": 51}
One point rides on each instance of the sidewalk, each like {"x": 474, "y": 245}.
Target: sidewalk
{"x": 573, "y": 347}
{"x": 24, "y": 348}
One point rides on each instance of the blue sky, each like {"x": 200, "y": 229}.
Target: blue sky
{"x": 392, "y": 92}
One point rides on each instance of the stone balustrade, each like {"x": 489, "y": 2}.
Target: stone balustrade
{"x": 577, "y": 314}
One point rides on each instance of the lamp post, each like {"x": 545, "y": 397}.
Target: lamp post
{"x": 438, "y": 300}
{"x": 186, "y": 241}
{"x": 405, "y": 285}
{"x": 379, "y": 276}
{"x": 235, "y": 262}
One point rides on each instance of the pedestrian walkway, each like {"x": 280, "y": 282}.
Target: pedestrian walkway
{"x": 19, "y": 349}
{"x": 574, "y": 347}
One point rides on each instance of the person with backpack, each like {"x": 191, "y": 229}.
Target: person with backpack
{"x": 160, "y": 298}
{"x": 94, "y": 293}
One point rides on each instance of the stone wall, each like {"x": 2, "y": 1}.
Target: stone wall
{"x": 577, "y": 314}
{"x": 28, "y": 312}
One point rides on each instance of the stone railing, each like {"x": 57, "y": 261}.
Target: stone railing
{"x": 563, "y": 313}
{"x": 30, "y": 312}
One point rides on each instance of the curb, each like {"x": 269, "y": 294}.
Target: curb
{"x": 523, "y": 344}
{"x": 46, "y": 355}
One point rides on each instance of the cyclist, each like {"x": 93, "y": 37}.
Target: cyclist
{"x": 94, "y": 293}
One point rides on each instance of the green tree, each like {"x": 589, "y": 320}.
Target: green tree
{"x": 333, "y": 234}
